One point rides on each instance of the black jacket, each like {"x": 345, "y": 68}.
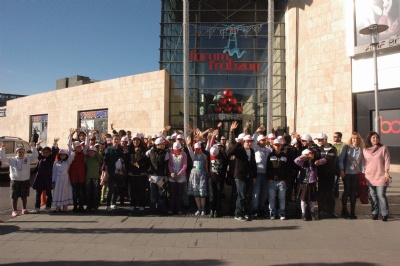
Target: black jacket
{"x": 277, "y": 166}
{"x": 244, "y": 168}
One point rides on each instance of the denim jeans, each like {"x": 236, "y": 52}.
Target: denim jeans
{"x": 259, "y": 194}
{"x": 112, "y": 189}
{"x": 378, "y": 196}
{"x": 156, "y": 202}
{"x": 273, "y": 188}
{"x": 243, "y": 188}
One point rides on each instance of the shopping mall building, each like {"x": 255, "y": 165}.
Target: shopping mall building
{"x": 323, "y": 74}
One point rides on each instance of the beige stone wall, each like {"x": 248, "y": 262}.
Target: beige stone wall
{"x": 139, "y": 103}
{"x": 324, "y": 101}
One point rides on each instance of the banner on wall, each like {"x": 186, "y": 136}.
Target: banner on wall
{"x": 385, "y": 12}
{"x": 3, "y": 112}
{"x": 94, "y": 120}
{"x": 39, "y": 123}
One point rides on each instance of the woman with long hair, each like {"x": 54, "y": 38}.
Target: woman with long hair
{"x": 351, "y": 162}
{"x": 377, "y": 164}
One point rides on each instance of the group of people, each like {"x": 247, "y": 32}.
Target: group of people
{"x": 264, "y": 172}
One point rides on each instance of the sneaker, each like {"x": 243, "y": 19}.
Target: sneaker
{"x": 35, "y": 210}
{"x": 314, "y": 217}
{"x": 132, "y": 208}
{"x": 48, "y": 209}
{"x": 282, "y": 216}
{"x": 240, "y": 218}
{"x": 197, "y": 213}
{"x": 25, "y": 211}
{"x": 385, "y": 218}
{"x": 248, "y": 217}
{"x": 203, "y": 213}
{"x": 114, "y": 207}
{"x": 141, "y": 209}
{"x": 14, "y": 213}
{"x": 211, "y": 213}
{"x": 216, "y": 214}
{"x": 272, "y": 216}
{"x": 108, "y": 208}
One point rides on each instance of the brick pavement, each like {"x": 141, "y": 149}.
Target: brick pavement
{"x": 118, "y": 239}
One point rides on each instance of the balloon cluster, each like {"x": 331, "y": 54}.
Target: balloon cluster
{"x": 227, "y": 104}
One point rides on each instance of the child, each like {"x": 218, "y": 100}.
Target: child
{"x": 198, "y": 178}
{"x": 43, "y": 177}
{"x": 308, "y": 177}
{"x": 219, "y": 162}
{"x": 177, "y": 168}
{"x": 60, "y": 181}
{"x": 20, "y": 169}
{"x": 92, "y": 166}
{"x": 77, "y": 173}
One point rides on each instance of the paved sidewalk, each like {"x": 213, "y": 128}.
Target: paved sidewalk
{"x": 117, "y": 239}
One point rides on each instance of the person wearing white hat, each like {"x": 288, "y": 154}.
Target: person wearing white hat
{"x": 62, "y": 193}
{"x": 260, "y": 188}
{"x": 277, "y": 174}
{"x": 307, "y": 191}
{"x": 218, "y": 164}
{"x": 158, "y": 174}
{"x": 77, "y": 173}
{"x": 112, "y": 155}
{"x": 19, "y": 174}
{"x": 245, "y": 175}
{"x": 198, "y": 181}
{"x": 92, "y": 165}
{"x": 326, "y": 177}
{"x": 137, "y": 178}
{"x": 177, "y": 167}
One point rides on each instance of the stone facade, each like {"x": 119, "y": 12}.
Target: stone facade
{"x": 323, "y": 77}
{"x": 139, "y": 103}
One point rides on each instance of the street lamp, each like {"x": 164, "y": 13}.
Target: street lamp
{"x": 373, "y": 30}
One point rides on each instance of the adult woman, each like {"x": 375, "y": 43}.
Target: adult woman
{"x": 377, "y": 164}
{"x": 351, "y": 162}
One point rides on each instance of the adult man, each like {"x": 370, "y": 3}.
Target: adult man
{"x": 245, "y": 175}
{"x": 20, "y": 167}
{"x": 326, "y": 177}
{"x": 35, "y": 136}
{"x": 338, "y": 144}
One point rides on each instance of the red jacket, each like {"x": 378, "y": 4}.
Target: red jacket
{"x": 77, "y": 168}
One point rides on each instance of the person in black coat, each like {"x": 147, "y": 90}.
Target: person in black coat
{"x": 245, "y": 175}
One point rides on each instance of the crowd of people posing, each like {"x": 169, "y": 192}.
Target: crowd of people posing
{"x": 264, "y": 171}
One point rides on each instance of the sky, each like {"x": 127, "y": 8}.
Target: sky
{"x": 45, "y": 40}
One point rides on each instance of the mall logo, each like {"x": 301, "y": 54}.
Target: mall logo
{"x": 390, "y": 127}
{"x": 223, "y": 61}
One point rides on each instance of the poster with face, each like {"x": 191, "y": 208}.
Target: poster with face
{"x": 369, "y": 12}
{"x": 94, "y": 120}
{"x": 39, "y": 123}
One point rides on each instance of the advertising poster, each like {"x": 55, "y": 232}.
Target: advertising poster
{"x": 39, "y": 123}
{"x": 389, "y": 127}
{"x": 94, "y": 120}
{"x": 376, "y": 12}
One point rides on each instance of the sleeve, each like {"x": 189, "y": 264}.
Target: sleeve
{"x": 69, "y": 145}
{"x": 53, "y": 175}
{"x": 191, "y": 153}
{"x": 232, "y": 150}
{"x": 269, "y": 166}
{"x": 184, "y": 164}
{"x": 299, "y": 161}
{"x": 386, "y": 155}
{"x": 3, "y": 156}
{"x": 170, "y": 163}
{"x": 342, "y": 157}
{"x": 254, "y": 144}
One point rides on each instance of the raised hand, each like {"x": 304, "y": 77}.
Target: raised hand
{"x": 71, "y": 131}
{"x": 234, "y": 125}
{"x": 219, "y": 124}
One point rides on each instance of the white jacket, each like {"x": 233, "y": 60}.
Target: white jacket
{"x": 20, "y": 168}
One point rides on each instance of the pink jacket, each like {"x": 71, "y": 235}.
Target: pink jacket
{"x": 376, "y": 161}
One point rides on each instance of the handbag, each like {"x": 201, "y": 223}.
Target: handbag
{"x": 362, "y": 188}
{"x": 104, "y": 178}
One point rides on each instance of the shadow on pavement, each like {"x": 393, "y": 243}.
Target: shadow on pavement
{"x": 151, "y": 230}
{"x": 337, "y": 264}
{"x": 159, "y": 262}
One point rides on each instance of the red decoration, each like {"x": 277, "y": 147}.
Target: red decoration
{"x": 232, "y": 101}
{"x": 227, "y": 93}
{"x": 227, "y": 109}
{"x": 217, "y": 109}
{"x": 235, "y": 109}
{"x": 240, "y": 109}
{"x": 222, "y": 101}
